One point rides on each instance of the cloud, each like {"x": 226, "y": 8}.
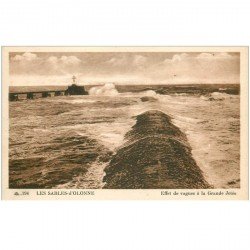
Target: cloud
{"x": 31, "y": 63}
{"x": 127, "y": 61}
{"x": 222, "y": 55}
{"x": 139, "y": 60}
{"x": 27, "y": 56}
{"x": 52, "y": 60}
{"x": 117, "y": 61}
{"x": 70, "y": 60}
{"x": 67, "y": 60}
{"x": 124, "y": 67}
{"x": 200, "y": 68}
{"x": 176, "y": 58}
{"x": 63, "y": 64}
{"x": 205, "y": 55}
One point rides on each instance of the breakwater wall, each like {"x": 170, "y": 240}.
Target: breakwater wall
{"x": 71, "y": 90}
{"x": 156, "y": 154}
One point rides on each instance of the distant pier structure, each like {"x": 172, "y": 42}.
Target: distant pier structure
{"x": 35, "y": 92}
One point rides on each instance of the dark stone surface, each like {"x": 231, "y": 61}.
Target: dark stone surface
{"x": 148, "y": 99}
{"x": 156, "y": 155}
{"x": 13, "y": 97}
{"x": 76, "y": 90}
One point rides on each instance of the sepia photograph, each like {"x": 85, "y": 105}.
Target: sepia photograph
{"x": 124, "y": 125}
{"x": 124, "y": 118}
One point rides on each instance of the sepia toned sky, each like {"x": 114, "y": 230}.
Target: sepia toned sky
{"x": 56, "y": 68}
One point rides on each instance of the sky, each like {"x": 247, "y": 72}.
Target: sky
{"x": 54, "y": 68}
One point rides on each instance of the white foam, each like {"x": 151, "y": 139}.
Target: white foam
{"x": 217, "y": 96}
{"x": 186, "y": 119}
{"x": 149, "y": 93}
{"x": 107, "y": 89}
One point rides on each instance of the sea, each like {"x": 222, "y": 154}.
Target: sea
{"x": 67, "y": 141}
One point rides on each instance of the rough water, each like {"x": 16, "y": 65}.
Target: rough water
{"x": 67, "y": 141}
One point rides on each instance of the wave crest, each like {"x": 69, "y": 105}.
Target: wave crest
{"x": 107, "y": 89}
{"x": 217, "y": 96}
{"x": 151, "y": 93}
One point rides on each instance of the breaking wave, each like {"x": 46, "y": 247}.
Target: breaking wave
{"x": 107, "y": 89}
{"x": 217, "y": 96}
{"x": 151, "y": 93}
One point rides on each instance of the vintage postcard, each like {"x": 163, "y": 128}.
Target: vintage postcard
{"x": 125, "y": 123}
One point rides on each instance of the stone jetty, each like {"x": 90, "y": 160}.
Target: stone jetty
{"x": 156, "y": 155}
